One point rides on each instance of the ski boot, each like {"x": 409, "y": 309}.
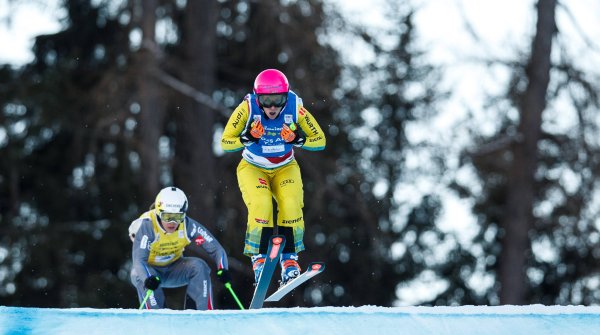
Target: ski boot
{"x": 258, "y": 263}
{"x": 290, "y": 268}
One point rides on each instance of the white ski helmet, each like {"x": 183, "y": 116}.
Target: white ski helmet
{"x": 171, "y": 200}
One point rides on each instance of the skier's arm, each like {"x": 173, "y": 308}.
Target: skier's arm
{"x": 200, "y": 236}
{"x": 315, "y": 138}
{"x": 141, "y": 247}
{"x": 230, "y": 141}
{"x": 134, "y": 227}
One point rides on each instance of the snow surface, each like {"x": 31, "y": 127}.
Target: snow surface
{"x": 371, "y": 320}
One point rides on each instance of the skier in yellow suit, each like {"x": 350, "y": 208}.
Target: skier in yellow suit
{"x": 267, "y": 125}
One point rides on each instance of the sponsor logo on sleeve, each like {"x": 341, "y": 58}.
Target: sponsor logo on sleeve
{"x": 204, "y": 234}
{"x": 144, "y": 242}
{"x": 311, "y": 126}
{"x": 237, "y": 119}
{"x": 315, "y": 139}
{"x": 199, "y": 240}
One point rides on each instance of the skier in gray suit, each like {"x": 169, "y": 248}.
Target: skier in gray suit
{"x": 159, "y": 237}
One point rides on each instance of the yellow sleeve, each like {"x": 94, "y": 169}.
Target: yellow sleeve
{"x": 315, "y": 138}
{"x": 230, "y": 141}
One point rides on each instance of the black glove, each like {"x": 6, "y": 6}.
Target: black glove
{"x": 299, "y": 140}
{"x": 224, "y": 276}
{"x": 152, "y": 283}
{"x": 247, "y": 139}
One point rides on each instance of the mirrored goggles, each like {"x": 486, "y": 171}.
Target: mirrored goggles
{"x": 272, "y": 100}
{"x": 172, "y": 217}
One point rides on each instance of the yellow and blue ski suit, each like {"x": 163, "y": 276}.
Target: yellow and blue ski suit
{"x": 269, "y": 170}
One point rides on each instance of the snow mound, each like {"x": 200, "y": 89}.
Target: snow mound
{"x": 371, "y": 320}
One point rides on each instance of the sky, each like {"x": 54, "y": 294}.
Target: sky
{"x": 366, "y": 320}
{"x": 20, "y": 22}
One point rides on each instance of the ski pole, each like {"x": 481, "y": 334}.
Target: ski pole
{"x": 148, "y": 293}
{"x": 228, "y": 286}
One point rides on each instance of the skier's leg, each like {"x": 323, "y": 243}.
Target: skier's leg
{"x": 288, "y": 192}
{"x": 156, "y": 299}
{"x": 195, "y": 273}
{"x": 256, "y": 192}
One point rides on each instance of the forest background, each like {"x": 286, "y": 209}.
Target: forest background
{"x": 131, "y": 96}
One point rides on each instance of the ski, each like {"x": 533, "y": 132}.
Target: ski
{"x": 276, "y": 244}
{"x": 313, "y": 270}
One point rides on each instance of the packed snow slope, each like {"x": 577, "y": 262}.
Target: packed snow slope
{"x": 371, "y": 320}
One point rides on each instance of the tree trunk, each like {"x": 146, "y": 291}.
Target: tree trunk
{"x": 194, "y": 168}
{"x": 516, "y": 246}
{"x": 151, "y": 116}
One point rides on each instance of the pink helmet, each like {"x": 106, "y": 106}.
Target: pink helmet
{"x": 271, "y": 81}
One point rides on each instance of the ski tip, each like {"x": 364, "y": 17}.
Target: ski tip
{"x": 316, "y": 266}
{"x": 276, "y": 246}
{"x": 312, "y": 270}
{"x": 277, "y": 240}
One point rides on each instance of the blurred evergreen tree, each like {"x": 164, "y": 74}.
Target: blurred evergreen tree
{"x": 380, "y": 242}
{"x": 70, "y": 170}
{"x": 77, "y": 173}
{"x": 559, "y": 262}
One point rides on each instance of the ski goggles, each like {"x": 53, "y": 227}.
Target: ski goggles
{"x": 172, "y": 217}
{"x": 272, "y": 100}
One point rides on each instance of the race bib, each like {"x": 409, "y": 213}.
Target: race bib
{"x": 273, "y": 148}
{"x": 164, "y": 259}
